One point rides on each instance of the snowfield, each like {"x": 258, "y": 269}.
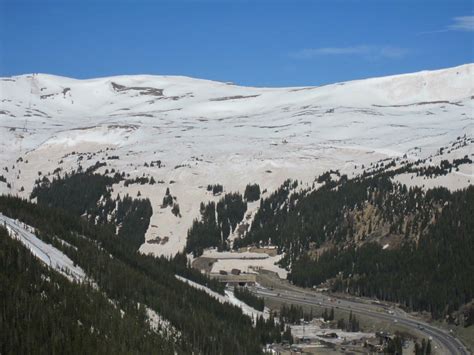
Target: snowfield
{"x": 206, "y": 132}
{"x": 48, "y": 254}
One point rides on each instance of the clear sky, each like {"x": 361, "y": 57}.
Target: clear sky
{"x": 259, "y": 42}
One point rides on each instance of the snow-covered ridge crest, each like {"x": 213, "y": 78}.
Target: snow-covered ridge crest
{"x": 447, "y": 84}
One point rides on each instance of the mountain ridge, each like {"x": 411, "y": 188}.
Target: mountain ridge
{"x": 215, "y": 133}
{"x": 192, "y": 78}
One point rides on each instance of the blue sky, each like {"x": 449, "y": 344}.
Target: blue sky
{"x": 259, "y": 42}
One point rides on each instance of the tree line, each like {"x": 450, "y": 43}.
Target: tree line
{"x": 88, "y": 194}
{"x": 216, "y": 223}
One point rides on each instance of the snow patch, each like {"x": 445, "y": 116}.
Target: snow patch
{"x": 228, "y": 298}
{"x": 314, "y": 331}
{"x": 48, "y": 254}
{"x": 161, "y": 325}
{"x": 249, "y": 265}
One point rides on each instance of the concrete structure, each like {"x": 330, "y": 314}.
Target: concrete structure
{"x": 242, "y": 279}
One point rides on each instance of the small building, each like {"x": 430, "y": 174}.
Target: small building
{"x": 235, "y": 272}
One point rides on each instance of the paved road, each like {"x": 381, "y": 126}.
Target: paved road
{"x": 447, "y": 344}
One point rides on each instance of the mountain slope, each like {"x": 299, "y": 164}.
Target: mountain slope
{"x": 44, "y": 313}
{"x": 143, "y": 288}
{"x": 188, "y": 133}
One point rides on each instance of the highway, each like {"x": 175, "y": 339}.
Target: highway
{"x": 445, "y": 342}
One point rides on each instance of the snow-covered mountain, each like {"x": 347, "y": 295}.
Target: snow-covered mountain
{"x": 206, "y": 132}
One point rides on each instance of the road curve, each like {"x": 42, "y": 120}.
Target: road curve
{"x": 446, "y": 342}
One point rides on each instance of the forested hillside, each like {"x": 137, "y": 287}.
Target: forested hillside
{"x": 433, "y": 273}
{"x": 216, "y": 223}
{"x": 88, "y": 194}
{"x": 44, "y": 313}
{"x": 129, "y": 279}
{"x": 373, "y": 237}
